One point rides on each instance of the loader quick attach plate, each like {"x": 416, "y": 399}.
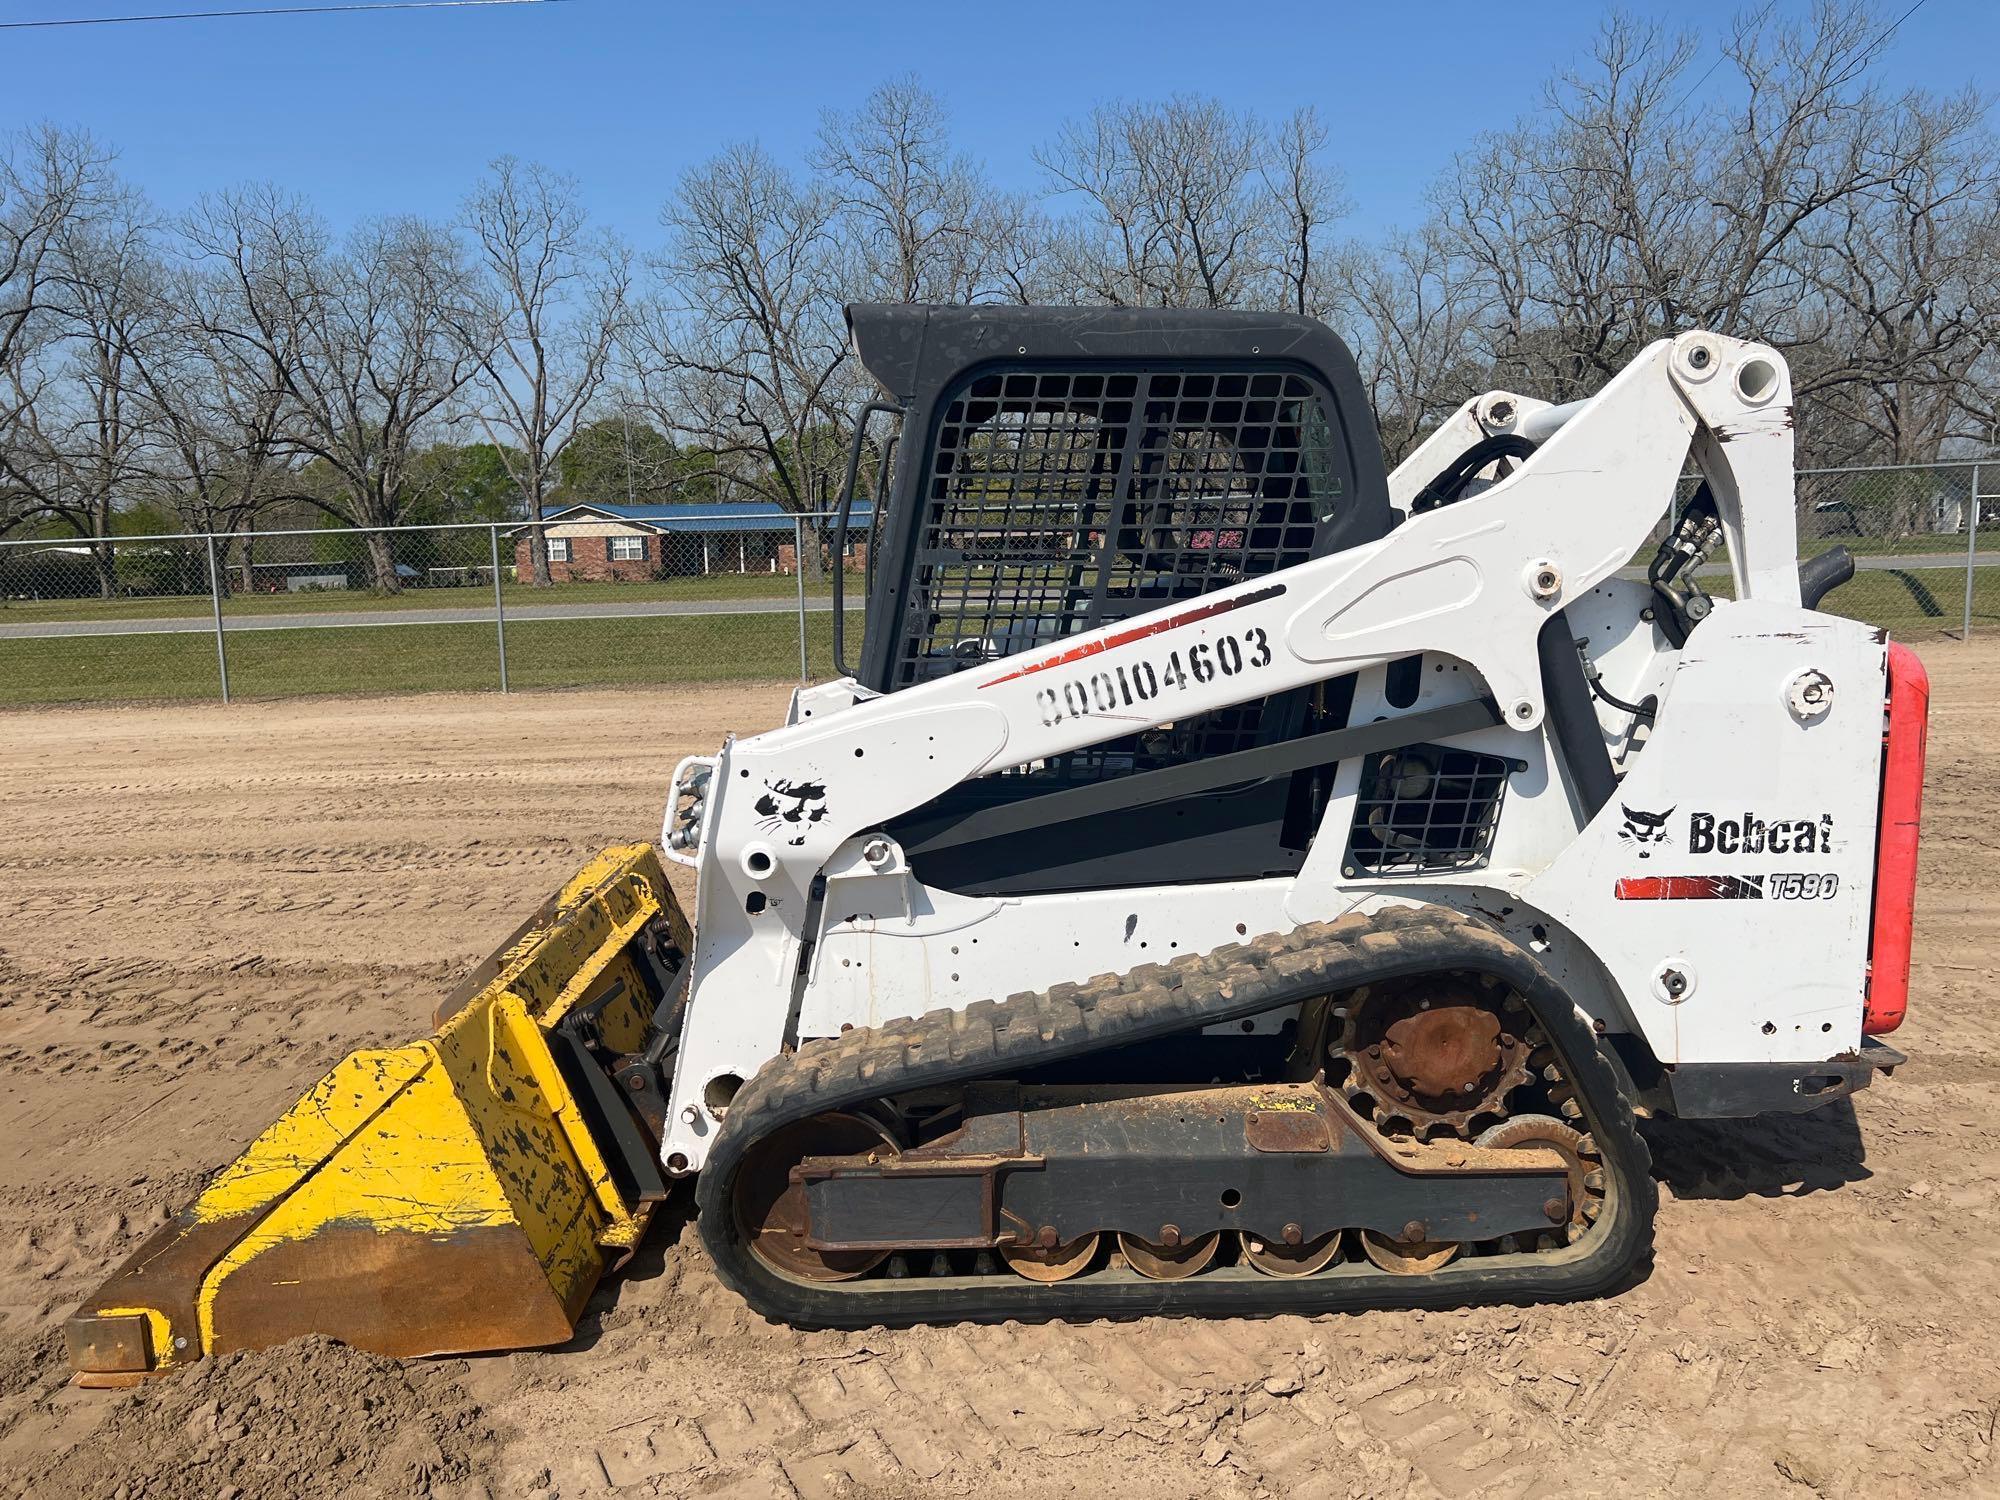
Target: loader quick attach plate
{"x": 443, "y": 1197}
{"x": 845, "y": 1077}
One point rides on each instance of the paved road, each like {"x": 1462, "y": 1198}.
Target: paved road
{"x": 361, "y": 619}
{"x": 649, "y": 609}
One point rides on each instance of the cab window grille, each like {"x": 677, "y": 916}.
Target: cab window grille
{"x": 1057, "y": 502}
{"x": 1426, "y": 808}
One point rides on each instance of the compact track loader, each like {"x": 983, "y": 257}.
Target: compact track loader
{"x": 1228, "y": 878}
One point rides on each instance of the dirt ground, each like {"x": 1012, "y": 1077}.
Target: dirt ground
{"x": 202, "y": 909}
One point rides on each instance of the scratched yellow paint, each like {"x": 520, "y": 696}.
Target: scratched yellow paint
{"x": 1289, "y": 1103}
{"x": 306, "y": 1134}
{"x": 471, "y": 1129}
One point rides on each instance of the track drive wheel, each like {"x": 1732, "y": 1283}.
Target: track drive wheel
{"x": 1433, "y": 1053}
{"x": 771, "y": 1211}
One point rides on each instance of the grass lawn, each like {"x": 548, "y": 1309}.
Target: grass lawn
{"x": 1919, "y": 601}
{"x": 414, "y": 659}
{"x": 640, "y": 651}
{"x": 1910, "y": 602}
{"x": 337, "y": 601}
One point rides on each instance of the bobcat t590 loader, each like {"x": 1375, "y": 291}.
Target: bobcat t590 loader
{"x": 1229, "y": 878}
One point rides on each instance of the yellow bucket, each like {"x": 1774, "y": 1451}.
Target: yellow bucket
{"x": 453, "y": 1195}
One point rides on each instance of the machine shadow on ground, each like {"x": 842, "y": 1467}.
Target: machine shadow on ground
{"x": 1770, "y": 1156}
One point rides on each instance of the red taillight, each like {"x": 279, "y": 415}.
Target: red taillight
{"x": 1896, "y": 841}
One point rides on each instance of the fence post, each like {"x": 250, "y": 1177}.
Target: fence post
{"x": 499, "y": 605}
{"x": 215, "y": 604}
{"x": 799, "y": 572}
{"x": 1971, "y": 546}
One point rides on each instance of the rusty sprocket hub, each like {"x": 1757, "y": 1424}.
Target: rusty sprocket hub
{"x": 1434, "y": 1052}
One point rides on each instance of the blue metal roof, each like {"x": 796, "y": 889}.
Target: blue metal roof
{"x": 727, "y": 516}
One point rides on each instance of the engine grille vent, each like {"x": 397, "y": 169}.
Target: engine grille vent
{"x": 1426, "y": 808}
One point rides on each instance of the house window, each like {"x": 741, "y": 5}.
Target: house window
{"x": 628, "y": 549}
{"x": 558, "y": 549}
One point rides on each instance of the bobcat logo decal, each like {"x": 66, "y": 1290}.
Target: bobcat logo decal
{"x": 791, "y": 808}
{"x": 1644, "y": 828}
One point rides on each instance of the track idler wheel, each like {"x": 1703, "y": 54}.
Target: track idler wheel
{"x": 1057, "y": 1264}
{"x": 1407, "y": 1257}
{"x": 1579, "y": 1154}
{"x": 1169, "y": 1262}
{"x": 1274, "y": 1258}
{"x": 771, "y": 1210}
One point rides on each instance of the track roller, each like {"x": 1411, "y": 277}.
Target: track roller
{"x": 1406, "y": 1257}
{"x": 1276, "y": 1259}
{"x": 1059, "y": 1264}
{"x": 1169, "y": 1262}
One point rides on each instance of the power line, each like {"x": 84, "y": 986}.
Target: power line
{"x": 1758, "y": 20}
{"x": 1886, "y": 32}
{"x": 1898, "y": 22}
{"x": 1696, "y": 88}
{"x": 266, "y": 10}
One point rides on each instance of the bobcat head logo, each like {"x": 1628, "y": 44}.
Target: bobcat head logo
{"x": 1643, "y": 828}
{"x": 791, "y": 808}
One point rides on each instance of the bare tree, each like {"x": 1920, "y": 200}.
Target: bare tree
{"x": 1308, "y": 198}
{"x": 1582, "y": 231}
{"x": 1417, "y": 333}
{"x": 87, "y": 431}
{"x": 1797, "y": 204}
{"x": 1171, "y": 213}
{"x": 741, "y": 350}
{"x": 1779, "y": 192}
{"x": 544, "y": 319}
{"x": 51, "y": 182}
{"x": 922, "y": 222}
{"x": 218, "y": 423}
{"x": 364, "y": 341}
{"x": 1902, "y": 316}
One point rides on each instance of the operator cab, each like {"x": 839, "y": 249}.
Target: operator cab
{"x": 1042, "y": 484}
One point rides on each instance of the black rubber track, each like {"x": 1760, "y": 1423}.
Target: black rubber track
{"x": 998, "y": 1039}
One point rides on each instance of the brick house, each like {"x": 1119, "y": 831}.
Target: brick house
{"x": 606, "y": 543}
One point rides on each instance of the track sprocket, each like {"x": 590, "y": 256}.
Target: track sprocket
{"x": 1435, "y": 1054}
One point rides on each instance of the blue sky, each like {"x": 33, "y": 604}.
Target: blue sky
{"x": 399, "y": 111}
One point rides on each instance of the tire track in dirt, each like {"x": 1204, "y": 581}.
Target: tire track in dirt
{"x": 268, "y": 888}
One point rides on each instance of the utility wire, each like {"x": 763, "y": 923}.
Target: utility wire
{"x": 1898, "y": 22}
{"x": 1887, "y": 32}
{"x": 1758, "y": 20}
{"x": 266, "y": 10}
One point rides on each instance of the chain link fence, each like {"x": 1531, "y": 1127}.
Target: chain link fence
{"x": 691, "y": 597}
{"x": 701, "y": 598}
{"x": 1925, "y": 542}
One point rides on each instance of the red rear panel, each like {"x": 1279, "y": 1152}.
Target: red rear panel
{"x": 1896, "y": 841}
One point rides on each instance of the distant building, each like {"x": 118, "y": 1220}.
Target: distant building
{"x": 603, "y": 543}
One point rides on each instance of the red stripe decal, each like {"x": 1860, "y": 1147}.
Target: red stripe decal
{"x": 1689, "y": 888}
{"x": 1137, "y": 633}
